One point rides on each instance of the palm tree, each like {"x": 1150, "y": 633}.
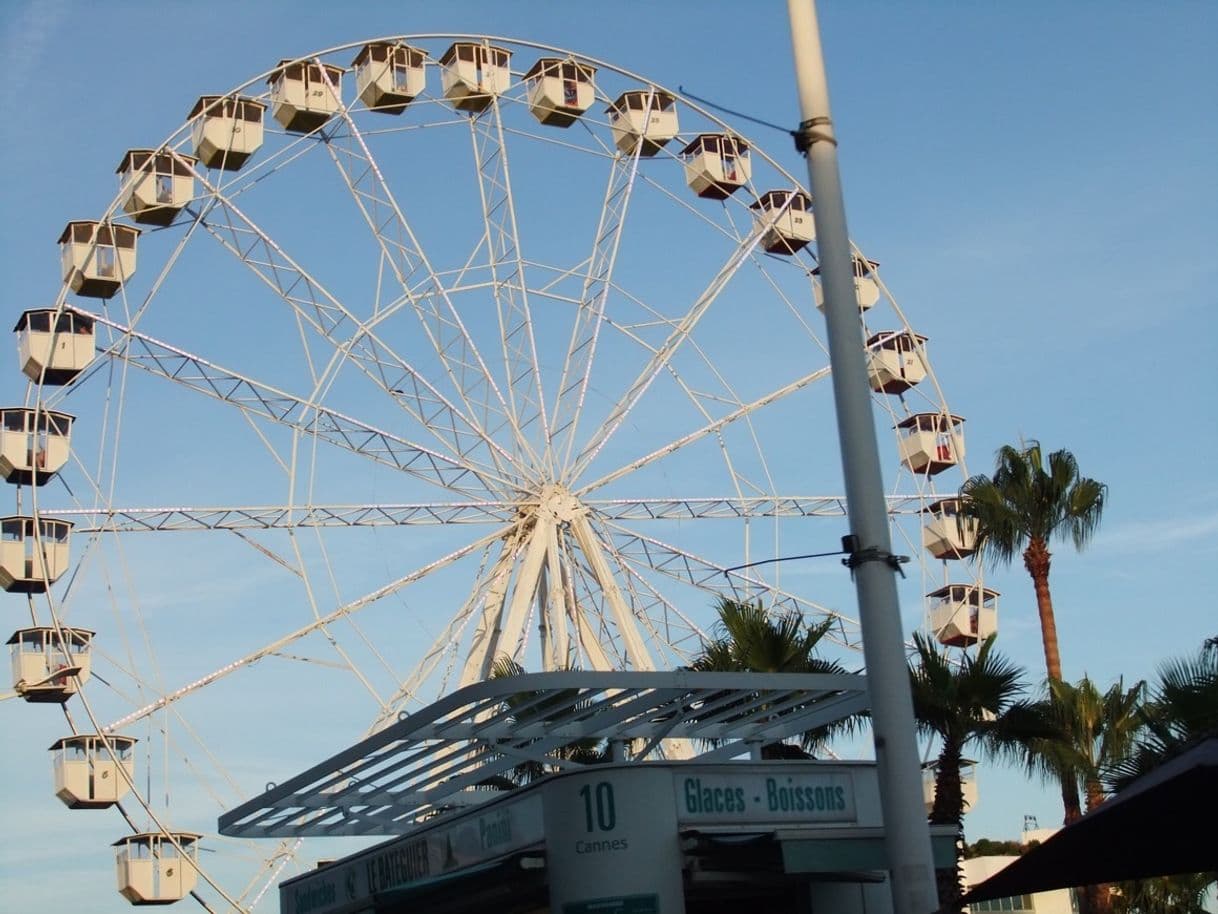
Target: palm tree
{"x": 584, "y": 751}
{"x": 1089, "y": 732}
{"x": 1182, "y": 894}
{"x": 1022, "y": 508}
{"x": 961, "y": 704}
{"x": 1092, "y": 732}
{"x": 1183, "y": 708}
{"x": 750, "y": 638}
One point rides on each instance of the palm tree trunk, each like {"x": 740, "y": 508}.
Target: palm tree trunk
{"x": 1036, "y": 559}
{"x": 948, "y": 809}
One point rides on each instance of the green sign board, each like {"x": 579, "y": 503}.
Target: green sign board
{"x": 623, "y": 904}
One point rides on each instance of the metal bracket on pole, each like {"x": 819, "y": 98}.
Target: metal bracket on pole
{"x": 856, "y": 556}
{"x": 810, "y": 132}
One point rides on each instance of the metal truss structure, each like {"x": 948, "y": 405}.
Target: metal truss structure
{"x": 448, "y": 754}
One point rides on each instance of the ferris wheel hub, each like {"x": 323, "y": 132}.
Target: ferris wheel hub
{"x": 559, "y": 504}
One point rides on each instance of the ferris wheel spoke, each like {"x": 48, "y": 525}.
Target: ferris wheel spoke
{"x": 710, "y": 428}
{"x": 681, "y": 565}
{"x": 556, "y": 638}
{"x": 672, "y": 627}
{"x": 581, "y": 352}
{"x": 584, "y": 642}
{"x": 509, "y": 630}
{"x": 279, "y": 644}
{"x": 348, "y": 336}
{"x": 595, "y": 552}
{"x": 593, "y": 639}
{"x": 399, "y": 247}
{"x": 644, "y": 599}
{"x": 664, "y": 353}
{"x": 526, "y": 399}
{"x": 741, "y": 508}
{"x": 114, "y": 519}
{"x": 445, "y": 644}
{"x": 429, "y": 298}
{"x": 486, "y": 638}
{"x": 256, "y": 399}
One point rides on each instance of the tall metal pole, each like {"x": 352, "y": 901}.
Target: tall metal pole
{"x": 906, "y": 833}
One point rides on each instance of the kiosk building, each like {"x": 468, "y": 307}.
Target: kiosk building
{"x": 487, "y": 806}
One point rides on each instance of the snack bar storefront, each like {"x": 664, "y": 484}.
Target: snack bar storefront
{"x": 645, "y": 835}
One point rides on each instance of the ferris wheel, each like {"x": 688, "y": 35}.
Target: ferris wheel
{"x": 402, "y": 357}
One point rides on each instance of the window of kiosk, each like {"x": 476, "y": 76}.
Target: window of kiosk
{"x": 32, "y": 643}
{"x": 12, "y": 531}
{"x": 39, "y": 322}
{"x": 14, "y": 421}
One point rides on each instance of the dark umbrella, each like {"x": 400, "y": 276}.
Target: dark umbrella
{"x": 1161, "y": 824}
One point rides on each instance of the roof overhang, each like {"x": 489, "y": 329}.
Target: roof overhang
{"x": 436, "y": 759}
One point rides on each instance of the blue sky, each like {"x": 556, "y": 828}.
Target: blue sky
{"x": 1037, "y": 180}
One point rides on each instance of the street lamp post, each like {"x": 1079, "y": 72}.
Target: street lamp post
{"x": 907, "y": 835}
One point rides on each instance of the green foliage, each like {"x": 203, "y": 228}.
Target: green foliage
{"x": 1182, "y": 894}
{"x": 1183, "y": 708}
{"x": 1077, "y": 733}
{"x": 525, "y": 708}
{"x": 962, "y": 703}
{"x": 750, "y": 638}
{"x": 1025, "y": 502}
{"x": 988, "y": 847}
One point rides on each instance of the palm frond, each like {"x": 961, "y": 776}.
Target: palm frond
{"x": 1026, "y": 500}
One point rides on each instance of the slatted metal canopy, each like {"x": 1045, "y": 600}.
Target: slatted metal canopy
{"x": 448, "y": 755}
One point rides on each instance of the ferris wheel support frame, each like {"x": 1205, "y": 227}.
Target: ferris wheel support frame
{"x": 906, "y": 832}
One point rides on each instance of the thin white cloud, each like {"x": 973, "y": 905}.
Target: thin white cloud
{"x": 1161, "y": 534}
